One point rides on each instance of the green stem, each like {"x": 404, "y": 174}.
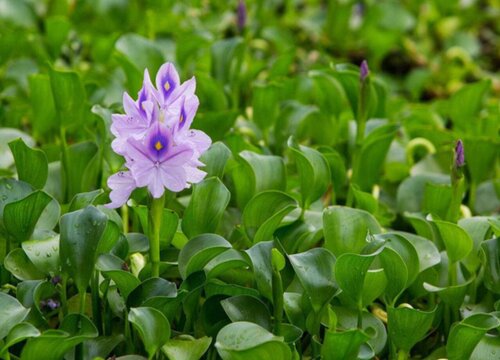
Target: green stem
{"x": 125, "y": 218}
{"x": 83, "y": 299}
{"x": 64, "y": 162}
{"x": 402, "y": 355}
{"x": 277, "y": 301}
{"x": 64, "y": 296}
{"x": 155, "y": 217}
{"x": 360, "y": 317}
{"x": 96, "y": 303}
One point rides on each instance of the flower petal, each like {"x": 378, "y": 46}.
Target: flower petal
{"x": 167, "y": 80}
{"x": 121, "y": 184}
{"x": 177, "y": 155}
{"x": 173, "y": 178}
{"x": 155, "y": 185}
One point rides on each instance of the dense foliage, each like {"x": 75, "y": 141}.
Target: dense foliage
{"x": 345, "y": 214}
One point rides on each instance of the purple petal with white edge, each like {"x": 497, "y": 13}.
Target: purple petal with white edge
{"x": 158, "y": 141}
{"x": 167, "y": 80}
{"x": 121, "y": 184}
{"x": 173, "y": 178}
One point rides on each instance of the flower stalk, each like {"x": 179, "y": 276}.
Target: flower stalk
{"x": 154, "y": 228}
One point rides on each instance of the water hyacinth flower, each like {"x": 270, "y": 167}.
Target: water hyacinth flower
{"x": 241, "y": 15}
{"x": 459, "y": 158}
{"x": 161, "y": 151}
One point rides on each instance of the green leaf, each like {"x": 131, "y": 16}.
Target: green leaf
{"x": 247, "y": 341}
{"x": 199, "y": 251}
{"x": 466, "y": 103}
{"x": 215, "y": 159}
{"x": 112, "y": 267}
{"x": 247, "y": 308}
{"x": 396, "y": 272}
{"x": 260, "y": 254}
{"x": 427, "y": 252}
{"x": 150, "y": 289}
{"x": 169, "y": 223}
{"x": 152, "y": 326}
{"x": 227, "y": 56}
{"x": 69, "y": 97}
{"x": 136, "y": 53}
{"x": 21, "y": 216}
{"x": 31, "y": 164}
{"x": 18, "y": 333}
{"x": 481, "y": 153}
{"x": 11, "y": 313}
{"x": 314, "y": 269}
{"x": 491, "y": 250}
{"x": 81, "y": 231}
{"x": 408, "y": 326}
{"x": 350, "y": 273}
{"x": 346, "y": 229}
{"x": 465, "y": 335}
{"x": 314, "y": 172}
{"x": 42, "y": 102}
{"x": 54, "y": 344}
{"x": 257, "y": 173}
{"x": 264, "y": 212}
{"x": 206, "y": 207}
{"x": 371, "y": 157}
{"x": 411, "y": 191}
{"x": 343, "y": 345}
{"x": 44, "y": 253}
{"x": 225, "y": 261}
{"x": 57, "y": 28}
{"x": 82, "y": 200}
{"x": 265, "y": 104}
{"x": 101, "y": 346}
{"x": 185, "y": 347}
{"x": 487, "y": 348}
{"x": 18, "y": 263}
{"x": 456, "y": 240}
{"x": 81, "y": 167}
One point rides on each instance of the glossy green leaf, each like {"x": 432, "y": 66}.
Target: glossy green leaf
{"x": 54, "y": 344}
{"x": 21, "y": 216}
{"x": 247, "y": 308}
{"x": 260, "y": 254}
{"x": 313, "y": 170}
{"x": 225, "y": 261}
{"x": 150, "y": 289}
{"x": 491, "y": 250}
{"x": 407, "y": 326}
{"x": 457, "y": 242}
{"x": 19, "y": 264}
{"x": 199, "y": 251}
{"x": 466, "y": 103}
{"x": 427, "y": 252}
{"x": 44, "y": 254}
{"x": 169, "y": 223}
{"x": 350, "y": 273}
{"x": 81, "y": 231}
{"x": 82, "y": 200}
{"x": 112, "y": 267}
{"x": 245, "y": 341}
{"x": 264, "y": 212}
{"x": 257, "y": 173}
{"x": 487, "y": 348}
{"x": 265, "y": 104}
{"x": 185, "y": 347}
{"x": 101, "y": 346}
{"x": 411, "y": 191}
{"x": 152, "y": 326}
{"x": 18, "y": 333}
{"x": 314, "y": 269}
{"x": 343, "y": 345}
{"x": 11, "y": 313}
{"x": 396, "y": 272}
{"x": 215, "y": 159}
{"x": 346, "y": 229}
{"x": 482, "y": 152}
{"x": 206, "y": 207}
{"x": 465, "y": 335}
{"x": 31, "y": 164}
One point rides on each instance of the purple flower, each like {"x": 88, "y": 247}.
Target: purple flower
{"x": 459, "y": 160}
{"x": 56, "y": 280}
{"x": 241, "y": 15}
{"x": 363, "y": 71}
{"x": 154, "y": 136}
{"x": 50, "y": 304}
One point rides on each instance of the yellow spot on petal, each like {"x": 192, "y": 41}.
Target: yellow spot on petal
{"x": 166, "y": 86}
{"x": 181, "y": 119}
{"x": 158, "y": 145}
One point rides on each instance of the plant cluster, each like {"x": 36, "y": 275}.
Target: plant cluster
{"x": 310, "y": 180}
